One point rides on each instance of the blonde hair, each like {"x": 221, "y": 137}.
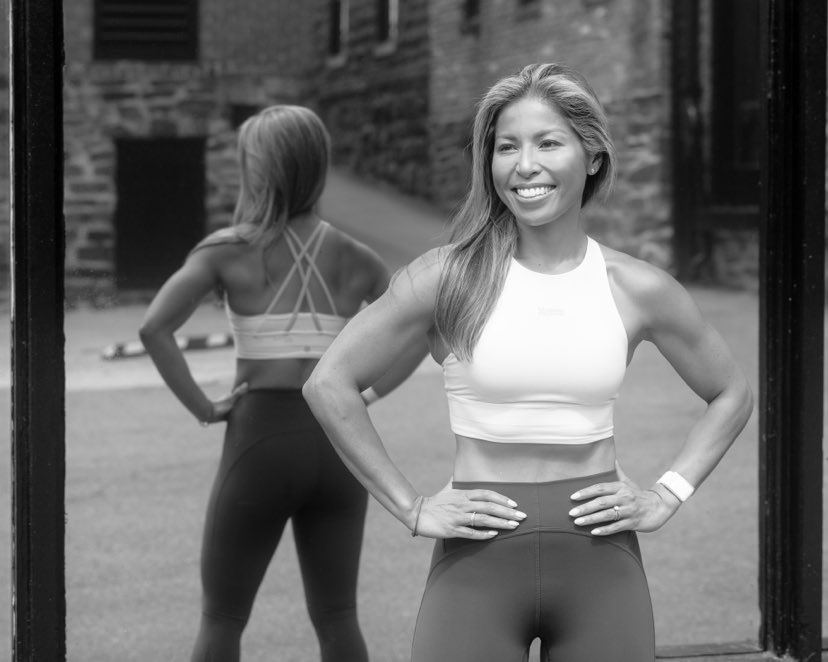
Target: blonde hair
{"x": 484, "y": 234}
{"x": 283, "y": 157}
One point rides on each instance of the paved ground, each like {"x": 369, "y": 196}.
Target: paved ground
{"x": 397, "y": 226}
{"x": 652, "y": 405}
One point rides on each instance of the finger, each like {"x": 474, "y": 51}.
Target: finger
{"x": 614, "y": 526}
{"x": 596, "y": 505}
{"x": 475, "y": 534}
{"x": 488, "y": 521}
{"x": 602, "y": 517}
{"x": 599, "y": 489}
{"x": 241, "y": 389}
{"x": 496, "y": 512}
{"x": 489, "y": 495}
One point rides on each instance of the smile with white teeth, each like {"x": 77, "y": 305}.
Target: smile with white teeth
{"x": 533, "y": 192}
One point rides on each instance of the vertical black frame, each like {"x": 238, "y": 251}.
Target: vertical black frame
{"x": 685, "y": 140}
{"x": 792, "y": 302}
{"x": 38, "y": 424}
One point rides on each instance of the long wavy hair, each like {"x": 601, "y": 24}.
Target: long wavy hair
{"x": 484, "y": 233}
{"x": 283, "y": 158}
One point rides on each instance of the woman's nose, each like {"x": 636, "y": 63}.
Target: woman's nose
{"x": 526, "y": 165}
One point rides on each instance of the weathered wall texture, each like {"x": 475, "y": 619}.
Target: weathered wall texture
{"x": 253, "y": 58}
{"x": 618, "y": 45}
{"x": 399, "y": 112}
{"x": 374, "y": 98}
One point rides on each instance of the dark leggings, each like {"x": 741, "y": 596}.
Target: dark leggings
{"x": 277, "y": 464}
{"x": 584, "y": 596}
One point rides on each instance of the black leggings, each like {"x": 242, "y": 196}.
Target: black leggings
{"x": 585, "y": 597}
{"x": 277, "y": 464}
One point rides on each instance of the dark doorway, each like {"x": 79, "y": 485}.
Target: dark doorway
{"x": 734, "y": 138}
{"x": 160, "y": 211}
{"x": 717, "y": 138}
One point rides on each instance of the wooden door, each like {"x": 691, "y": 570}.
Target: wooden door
{"x": 160, "y": 213}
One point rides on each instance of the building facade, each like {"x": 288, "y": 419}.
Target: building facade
{"x": 154, "y": 92}
{"x": 401, "y": 111}
{"x": 152, "y": 97}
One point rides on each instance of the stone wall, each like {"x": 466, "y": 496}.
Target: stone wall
{"x": 618, "y": 45}
{"x": 252, "y": 58}
{"x": 374, "y": 97}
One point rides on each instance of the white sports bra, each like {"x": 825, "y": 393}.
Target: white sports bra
{"x": 296, "y": 334}
{"x": 549, "y": 362}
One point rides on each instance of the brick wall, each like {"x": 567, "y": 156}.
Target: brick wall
{"x": 618, "y": 45}
{"x": 253, "y": 58}
{"x": 374, "y": 98}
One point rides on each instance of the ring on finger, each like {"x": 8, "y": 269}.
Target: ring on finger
{"x": 617, "y": 510}
{"x": 473, "y": 515}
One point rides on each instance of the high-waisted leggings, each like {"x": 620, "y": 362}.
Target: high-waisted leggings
{"x": 277, "y": 464}
{"x": 584, "y": 596}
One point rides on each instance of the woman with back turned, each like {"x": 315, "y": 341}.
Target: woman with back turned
{"x": 534, "y": 324}
{"x": 291, "y": 282}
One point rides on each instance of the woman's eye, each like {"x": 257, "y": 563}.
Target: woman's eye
{"x": 505, "y": 147}
{"x": 549, "y": 143}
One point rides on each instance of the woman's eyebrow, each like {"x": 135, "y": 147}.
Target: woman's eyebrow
{"x": 536, "y": 136}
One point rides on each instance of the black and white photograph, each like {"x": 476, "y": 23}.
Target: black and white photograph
{"x": 413, "y": 330}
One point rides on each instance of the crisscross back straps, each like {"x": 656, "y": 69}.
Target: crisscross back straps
{"x": 304, "y": 262}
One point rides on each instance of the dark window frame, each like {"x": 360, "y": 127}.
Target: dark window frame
{"x": 335, "y": 33}
{"x": 338, "y": 32}
{"x": 386, "y": 26}
{"x": 470, "y": 19}
{"x": 135, "y": 30}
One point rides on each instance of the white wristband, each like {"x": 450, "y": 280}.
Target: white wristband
{"x": 677, "y": 485}
{"x": 369, "y": 395}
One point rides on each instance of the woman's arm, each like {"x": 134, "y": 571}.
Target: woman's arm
{"x": 173, "y": 305}
{"x": 673, "y": 323}
{"x": 365, "y": 351}
{"x": 401, "y": 369}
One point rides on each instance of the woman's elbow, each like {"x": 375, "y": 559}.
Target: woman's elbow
{"x": 747, "y": 399}
{"x": 310, "y": 389}
{"x": 316, "y": 386}
{"x": 147, "y": 333}
{"x": 742, "y": 398}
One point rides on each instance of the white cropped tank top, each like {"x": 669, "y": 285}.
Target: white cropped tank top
{"x": 297, "y": 334}
{"x": 549, "y": 362}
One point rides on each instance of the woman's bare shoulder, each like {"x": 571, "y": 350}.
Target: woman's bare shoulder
{"x": 350, "y": 251}
{"x": 637, "y": 278}
{"x": 225, "y": 242}
{"x": 660, "y": 301}
{"x": 424, "y": 271}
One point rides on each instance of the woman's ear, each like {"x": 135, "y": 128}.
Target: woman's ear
{"x": 595, "y": 163}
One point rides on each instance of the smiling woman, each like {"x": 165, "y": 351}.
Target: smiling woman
{"x": 534, "y": 323}
{"x": 539, "y": 167}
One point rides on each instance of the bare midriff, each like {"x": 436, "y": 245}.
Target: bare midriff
{"x": 274, "y": 373}
{"x": 478, "y": 460}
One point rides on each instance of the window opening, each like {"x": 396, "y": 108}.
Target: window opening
{"x": 145, "y": 29}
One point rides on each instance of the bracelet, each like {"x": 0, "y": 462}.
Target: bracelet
{"x": 417, "y": 518}
{"x": 678, "y": 485}
{"x": 369, "y": 395}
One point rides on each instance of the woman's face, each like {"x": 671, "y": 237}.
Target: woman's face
{"x": 539, "y": 165}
